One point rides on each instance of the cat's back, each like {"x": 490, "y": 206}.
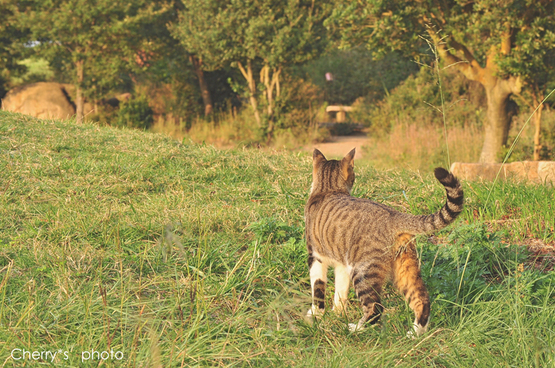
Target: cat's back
{"x": 340, "y": 202}
{"x": 342, "y": 213}
{"x": 336, "y": 224}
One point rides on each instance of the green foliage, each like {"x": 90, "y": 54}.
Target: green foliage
{"x": 168, "y": 77}
{"x": 135, "y": 113}
{"x": 271, "y": 229}
{"x": 37, "y": 70}
{"x": 357, "y": 74}
{"x": 343, "y": 129}
{"x": 224, "y": 33}
{"x": 548, "y": 135}
{"x": 499, "y": 45}
{"x": 11, "y": 48}
{"x": 296, "y": 107}
{"x": 417, "y": 99}
{"x": 259, "y": 37}
{"x": 476, "y": 271}
{"x": 170, "y": 85}
{"x": 478, "y": 26}
{"x": 524, "y": 147}
{"x": 533, "y": 57}
{"x": 175, "y": 101}
{"x": 466, "y": 268}
{"x": 102, "y": 38}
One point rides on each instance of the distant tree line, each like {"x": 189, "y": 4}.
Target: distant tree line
{"x": 250, "y": 51}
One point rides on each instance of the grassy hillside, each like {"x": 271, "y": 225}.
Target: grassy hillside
{"x": 163, "y": 253}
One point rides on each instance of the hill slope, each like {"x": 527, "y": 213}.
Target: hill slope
{"x": 166, "y": 253}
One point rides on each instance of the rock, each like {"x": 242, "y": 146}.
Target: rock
{"x": 528, "y": 171}
{"x": 45, "y": 100}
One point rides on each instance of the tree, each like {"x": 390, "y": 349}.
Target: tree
{"x": 355, "y": 74}
{"x": 95, "y": 40}
{"x": 205, "y": 92}
{"x": 478, "y": 38}
{"x": 10, "y": 50}
{"x": 255, "y": 36}
{"x": 539, "y": 75}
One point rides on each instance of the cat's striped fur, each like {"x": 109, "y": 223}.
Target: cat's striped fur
{"x": 367, "y": 242}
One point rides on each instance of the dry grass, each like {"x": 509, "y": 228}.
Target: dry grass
{"x": 226, "y": 129}
{"x": 423, "y": 147}
{"x": 170, "y": 128}
{"x": 236, "y": 129}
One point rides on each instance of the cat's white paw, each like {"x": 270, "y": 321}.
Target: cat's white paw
{"x": 340, "y": 308}
{"x": 417, "y": 331}
{"x": 314, "y": 312}
{"x": 353, "y": 327}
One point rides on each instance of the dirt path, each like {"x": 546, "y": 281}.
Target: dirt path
{"x": 341, "y": 145}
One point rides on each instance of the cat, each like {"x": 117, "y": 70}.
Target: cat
{"x": 367, "y": 242}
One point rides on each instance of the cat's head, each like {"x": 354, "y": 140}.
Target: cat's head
{"x": 332, "y": 175}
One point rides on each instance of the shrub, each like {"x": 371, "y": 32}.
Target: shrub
{"x": 298, "y": 104}
{"x": 524, "y": 147}
{"x": 417, "y": 100}
{"x": 356, "y": 74}
{"x": 135, "y": 113}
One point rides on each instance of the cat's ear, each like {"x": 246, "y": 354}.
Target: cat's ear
{"x": 347, "y": 163}
{"x": 349, "y": 158}
{"x": 317, "y": 157}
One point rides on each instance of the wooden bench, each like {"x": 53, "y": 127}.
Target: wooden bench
{"x": 339, "y": 111}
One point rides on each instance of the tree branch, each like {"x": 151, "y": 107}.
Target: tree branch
{"x": 469, "y": 67}
{"x": 243, "y": 71}
{"x": 512, "y": 84}
{"x": 506, "y": 40}
{"x": 275, "y": 80}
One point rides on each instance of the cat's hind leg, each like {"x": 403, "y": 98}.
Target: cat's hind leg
{"x": 318, "y": 280}
{"x": 368, "y": 280}
{"x": 407, "y": 279}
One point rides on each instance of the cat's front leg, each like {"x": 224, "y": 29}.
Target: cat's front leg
{"x": 318, "y": 280}
{"x": 342, "y": 284}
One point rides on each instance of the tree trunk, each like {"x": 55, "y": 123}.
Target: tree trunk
{"x": 252, "y": 90}
{"x": 537, "y": 126}
{"x": 265, "y": 79}
{"x": 270, "y": 84}
{"x": 206, "y": 98}
{"x": 498, "y": 91}
{"x": 499, "y": 116}
{"x": 79, "y": 99}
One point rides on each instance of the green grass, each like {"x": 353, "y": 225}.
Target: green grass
{"x": 178, "y": 254}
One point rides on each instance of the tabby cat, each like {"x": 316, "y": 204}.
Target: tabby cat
{"x": 367, "y": 242}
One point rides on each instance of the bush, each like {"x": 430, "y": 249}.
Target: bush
{"x": 475, "y": 265}
{"x": 298, "y": 112}
{"x": 524, "y": 147}
{"x": 356, "y": 74}
{"x": 135, "y": 113}
{"x": 418, "y": 100}
{"x": 298, "y": 104}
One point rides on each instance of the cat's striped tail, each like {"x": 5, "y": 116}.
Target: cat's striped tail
{"x": 447, "y": 214}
